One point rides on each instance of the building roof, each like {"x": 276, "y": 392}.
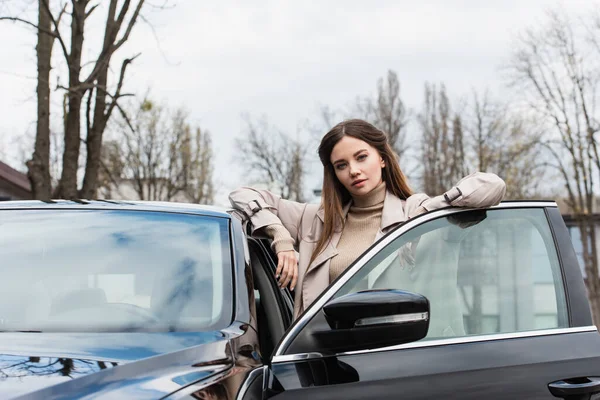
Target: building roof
{"x": 15, "y": 177}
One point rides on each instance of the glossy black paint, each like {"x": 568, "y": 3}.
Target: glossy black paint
{"x": 320, "y": 337}
{"x": 502, "y": 369}
{"x": 21, "y": 375}
{"x": 343, "y": 312}
{"x": 136, "y": 366}
{"x": 119, "y": 347}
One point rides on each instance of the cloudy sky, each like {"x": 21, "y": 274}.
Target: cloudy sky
{"x": 284, "y": 59}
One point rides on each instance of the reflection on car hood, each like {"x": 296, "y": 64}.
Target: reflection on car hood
{"x": 126, "y": 365}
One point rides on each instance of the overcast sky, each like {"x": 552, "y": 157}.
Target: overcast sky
{"x": 283, "y": 59}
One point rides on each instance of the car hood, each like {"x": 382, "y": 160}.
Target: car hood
{"x": 124, "y": 365}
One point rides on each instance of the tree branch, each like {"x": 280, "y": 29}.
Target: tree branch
{"x": 111, "y": 31}
{"x": 132, "y": 22}
{"x": 91, "y": 10}
{"x": 88, "y": 111}
{"x": 117, "y": 94}
{"x": 76, "y": 89}
{"x": 57, "y": 31}
{"x": 16, "y": 19}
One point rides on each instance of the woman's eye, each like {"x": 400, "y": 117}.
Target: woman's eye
{"x": 361, "y": 157}
{"x": 340, "y": 166}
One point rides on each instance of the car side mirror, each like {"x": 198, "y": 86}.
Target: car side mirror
{"x": 374, "y": 318}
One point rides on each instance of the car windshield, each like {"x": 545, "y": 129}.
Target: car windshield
{"x": 113, "y": 271}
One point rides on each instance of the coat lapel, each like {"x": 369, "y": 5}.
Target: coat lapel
{"x": 321, "y": 214}
{"x": 330, "y": 250}
{"x": 392, "y": 214}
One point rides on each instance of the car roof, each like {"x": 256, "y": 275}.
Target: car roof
{"x": 163, "y": 206}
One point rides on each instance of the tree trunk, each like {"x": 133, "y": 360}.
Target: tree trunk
{"x": 94, "y": 139}
{"x": 67, "y": 187}
{"x": 96, "y": 130}
{"x": 39, "y": 165}
{"x": 68, "y": 181}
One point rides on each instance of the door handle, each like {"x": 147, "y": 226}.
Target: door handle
{"x": 575, "y": 388}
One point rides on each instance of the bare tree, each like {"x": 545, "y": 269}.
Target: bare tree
{"x": 95, "y": 86}
{"x": 389, "y": 113}
{"x": 112, "y": 161}
{"x": 159, "y": 156}
{"x": 385, "y": 110}
{"x": 101, "y": 101}
{"x": 192, "y": 156}
{"x": 274, "y": 158}
{"x": 39, "y": 165}
{"x": 501, "y": 141}
{"x": 555, "y": 70}
{"x": 39, "y": 170}
{"x": 329, "y": 119}
{"x": 442, "y": 142}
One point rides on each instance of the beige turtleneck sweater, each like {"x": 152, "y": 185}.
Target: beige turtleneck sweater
{"x": 360, "y": 228}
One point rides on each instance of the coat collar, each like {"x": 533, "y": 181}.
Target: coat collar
{"x": 321, "y": 214}
{"x": 321, "y": 211}
{"x": 393, "y": 211}
{"x": 392, "y": 214}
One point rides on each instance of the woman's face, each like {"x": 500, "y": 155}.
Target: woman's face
{"x": 357, "y": 165}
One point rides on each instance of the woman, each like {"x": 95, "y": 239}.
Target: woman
{"x": 365, "y": 195}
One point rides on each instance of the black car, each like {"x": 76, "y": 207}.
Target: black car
{"x": 152, "y": 300}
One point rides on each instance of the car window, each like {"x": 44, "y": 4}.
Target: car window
{"x": 105, "y": 270}
{"x": 484, "y": 272}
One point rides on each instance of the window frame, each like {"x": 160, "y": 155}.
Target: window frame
{"x": 280, "y": 354}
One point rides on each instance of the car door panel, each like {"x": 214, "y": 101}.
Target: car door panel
{"x": 508, "y": 368}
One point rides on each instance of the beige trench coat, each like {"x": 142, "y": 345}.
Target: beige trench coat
{"x": 304, "y": 222}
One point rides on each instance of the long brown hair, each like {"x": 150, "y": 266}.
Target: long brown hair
{"x": 334, "y": 195}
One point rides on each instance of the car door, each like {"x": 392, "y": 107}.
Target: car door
{"x": 286, "y": 294}
{"x": 273, "y": 306}
{"x": 508, "y": 315}
{"x": 262, "y": 255}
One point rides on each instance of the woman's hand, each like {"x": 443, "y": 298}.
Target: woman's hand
{"x": 287, "y": 269}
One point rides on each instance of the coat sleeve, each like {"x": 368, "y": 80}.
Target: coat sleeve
{"x": 477, "y": 190}
{"x": 262, "y": 208}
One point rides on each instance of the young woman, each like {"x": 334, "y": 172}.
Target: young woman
{"x": 365, "y": 195}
